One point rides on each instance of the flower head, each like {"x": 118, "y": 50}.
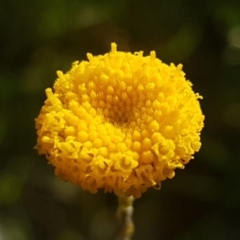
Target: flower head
{"x": 120, "y": 121}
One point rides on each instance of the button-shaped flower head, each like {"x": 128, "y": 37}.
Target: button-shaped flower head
{"x": 122, "y": 122}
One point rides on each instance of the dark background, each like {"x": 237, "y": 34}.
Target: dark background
{"x": 39, "y": 37}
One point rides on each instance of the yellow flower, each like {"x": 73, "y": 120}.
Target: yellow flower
{"x": 120, "y": 121}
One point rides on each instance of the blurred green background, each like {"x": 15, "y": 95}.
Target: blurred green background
{"x": 39, "y": 37}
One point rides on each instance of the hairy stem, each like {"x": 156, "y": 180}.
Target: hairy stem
{"x": 124, "y": 212}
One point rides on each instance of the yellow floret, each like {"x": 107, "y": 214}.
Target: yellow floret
{"x": 120, "y": 121}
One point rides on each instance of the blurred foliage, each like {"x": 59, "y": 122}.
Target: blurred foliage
{"x": 39, "y": 37}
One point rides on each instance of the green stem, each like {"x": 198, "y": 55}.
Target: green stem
{"x": 125, "y": 211}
